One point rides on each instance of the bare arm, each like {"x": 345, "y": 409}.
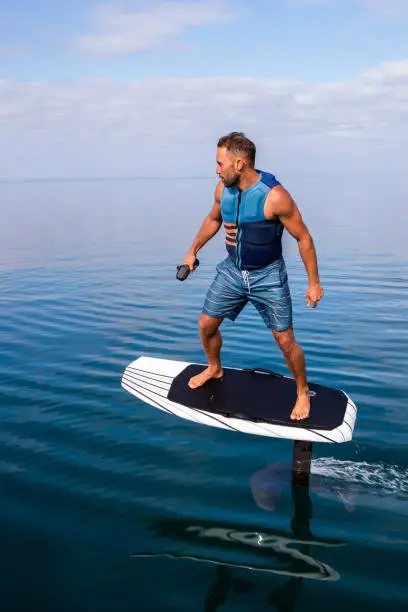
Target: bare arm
{"x": 280, "y": 204}
{"x": 209, "y": 228}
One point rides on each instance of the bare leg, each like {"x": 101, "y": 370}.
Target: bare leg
{"x": 295, "y": 360}
{"x": 211, "y": 340}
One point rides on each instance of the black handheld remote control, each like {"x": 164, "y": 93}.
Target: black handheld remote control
{"x": 184, "y": 270}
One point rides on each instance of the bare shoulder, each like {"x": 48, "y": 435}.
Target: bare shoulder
{"x": 215, "y": 213}
{"x": 218, "y": 191}
{"x": 279, "y": 203}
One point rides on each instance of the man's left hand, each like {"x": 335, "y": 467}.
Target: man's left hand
{"x": 314, "y": 294}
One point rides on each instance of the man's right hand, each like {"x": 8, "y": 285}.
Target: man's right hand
{"x": 190, "y": 260}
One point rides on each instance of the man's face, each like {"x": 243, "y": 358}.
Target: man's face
{"x": 228, "y": 167}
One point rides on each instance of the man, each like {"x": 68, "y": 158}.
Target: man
{"x": 255, "y": 209}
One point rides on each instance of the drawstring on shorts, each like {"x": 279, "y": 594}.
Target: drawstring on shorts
{"x": 245, "y": 275}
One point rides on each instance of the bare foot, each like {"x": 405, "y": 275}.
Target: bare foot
{"x": 200, "y": 379}
{"x": 302, "y": 408}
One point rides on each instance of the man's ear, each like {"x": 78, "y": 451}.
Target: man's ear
{"x": 240, "y": 164}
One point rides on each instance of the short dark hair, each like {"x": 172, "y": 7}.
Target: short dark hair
{"x": 238, "y": 143}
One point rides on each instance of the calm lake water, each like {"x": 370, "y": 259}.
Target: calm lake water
{"x": 110, "y": 505}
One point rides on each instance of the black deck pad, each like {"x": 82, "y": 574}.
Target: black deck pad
{"x": 259, "y": 397}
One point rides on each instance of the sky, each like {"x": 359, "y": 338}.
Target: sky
{"x": 137, "y": 88}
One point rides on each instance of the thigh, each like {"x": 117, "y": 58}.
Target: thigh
{"x": 270, "y": 294}
{"x": 226, "y": 296}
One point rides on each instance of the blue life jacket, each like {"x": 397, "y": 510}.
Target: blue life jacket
{"x": 252, "y": 241}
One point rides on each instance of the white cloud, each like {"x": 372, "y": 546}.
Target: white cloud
{"x": 389, "y": 9}
{"x": 120, "y": 32}
{"x": 168, "y": 126}
{"x": 13, "y": 51}
{"x": 388, "y": 6}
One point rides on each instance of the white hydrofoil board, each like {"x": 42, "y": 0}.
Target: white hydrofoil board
{"x": 249, "y": 401}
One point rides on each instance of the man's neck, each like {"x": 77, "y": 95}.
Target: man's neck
{"x": 247, "y": 179}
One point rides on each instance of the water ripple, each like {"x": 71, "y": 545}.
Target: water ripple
{"x": 83, "y": 461}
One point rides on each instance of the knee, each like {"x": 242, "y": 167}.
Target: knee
{"x": 207, "y": 325}
{"x": 285, "y": 340}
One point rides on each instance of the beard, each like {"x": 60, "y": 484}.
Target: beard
{"x": 231, "y": 180}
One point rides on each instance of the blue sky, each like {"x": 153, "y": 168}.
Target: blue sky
{"x": 95, "y": 87}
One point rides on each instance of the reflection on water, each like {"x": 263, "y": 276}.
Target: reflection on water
{"x": 235, "y": 548}
{"x": 258, "y": 551}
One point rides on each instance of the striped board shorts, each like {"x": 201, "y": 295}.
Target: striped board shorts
{"x": 267, "y": 289}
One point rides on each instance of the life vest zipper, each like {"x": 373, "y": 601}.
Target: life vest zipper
{"x": 238, "y": 255}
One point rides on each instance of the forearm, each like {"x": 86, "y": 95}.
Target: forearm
{"x": 208, "y": 229}
{"x": 308, "y": 253}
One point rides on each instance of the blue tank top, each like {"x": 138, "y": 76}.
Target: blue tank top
{"x": 252, "y": 241}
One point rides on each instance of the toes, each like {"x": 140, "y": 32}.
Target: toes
{"x": 299, "y": 415}
{"x": 193, "y": 383}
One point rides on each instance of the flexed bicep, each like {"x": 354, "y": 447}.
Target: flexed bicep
{"x": 281, "y": 205}
{"x": 293, "y": 222}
